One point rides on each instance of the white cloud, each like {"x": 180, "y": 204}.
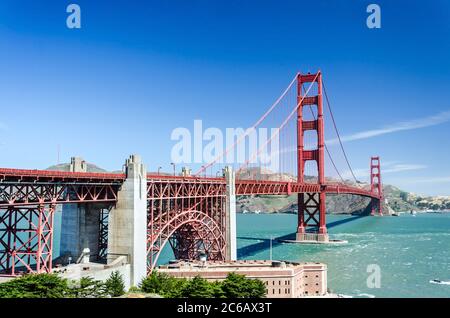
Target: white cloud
{"x": 386, "y": 168}
{"x": 431, "y": 180}
{"x": 400, "y": 126}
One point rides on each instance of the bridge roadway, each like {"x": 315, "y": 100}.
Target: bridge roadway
{"x": 189, "y": 209}
{"x": 25, "y": 187}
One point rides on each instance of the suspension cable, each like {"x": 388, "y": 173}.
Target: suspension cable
{"x": 247, "y": 132}
{"x": 326, "y": 148}
{"x": 277, "y": 132}
{"x": 337, "y": 132}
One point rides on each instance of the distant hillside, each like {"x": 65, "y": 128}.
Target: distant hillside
{"x": 66, "y": 166}
{"x": 396, "y": 199}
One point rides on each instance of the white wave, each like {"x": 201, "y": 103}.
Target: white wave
{"x": 344, "y": 296}
{"x": 440, "y": 282}
{"x": 366, "y": 295}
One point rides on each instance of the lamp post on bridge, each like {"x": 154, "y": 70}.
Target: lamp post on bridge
{"x": 174, "y": 168}
{"x": 159, "y": 170}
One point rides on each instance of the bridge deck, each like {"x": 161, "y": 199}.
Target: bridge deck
{"x": 243, "y": 187}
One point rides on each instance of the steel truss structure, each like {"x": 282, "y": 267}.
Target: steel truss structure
{"x": 27, "y": 187}
{"x": 26, "y": 238}
{"x": 23, "y": 194}
{"x": 103, "y": 234}
{"x": 28, "y": 199}
{"x": 189, "y": 213}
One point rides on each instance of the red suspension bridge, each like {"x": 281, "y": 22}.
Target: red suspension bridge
{"x": 190, "y": 212}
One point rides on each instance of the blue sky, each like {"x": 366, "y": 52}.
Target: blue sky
{"x": 138, "y": 69}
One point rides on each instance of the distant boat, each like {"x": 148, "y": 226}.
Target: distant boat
{"x": 395, "y": 214}
{"x": 257, "y": 211}
{"x": 413, "y": 212}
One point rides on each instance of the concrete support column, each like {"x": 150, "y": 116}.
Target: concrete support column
{"x": 80, "y": 229}
{"x": 127, "y": 227}
{"x": 80, "y": 222}
{"x": 230, "y": 213}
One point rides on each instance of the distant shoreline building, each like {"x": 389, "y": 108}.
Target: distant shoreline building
{"x": 282, "y": 279}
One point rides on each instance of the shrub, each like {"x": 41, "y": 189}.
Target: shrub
{"x": 134, "y": 289}
{"x": 163, "y": 284}
{"x": 234, "y": 286}
{"x": 238, "y": 286}
{"x": 197, "y": 287}
{"x": 36, "y": 286}
{"x": 53, "y": 286}
{"x": 87, "y": 287}
{"x": 115, "y": 285}
{"x": 217, "y": 290}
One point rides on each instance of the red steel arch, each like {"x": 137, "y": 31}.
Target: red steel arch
{"x": 189, "y": 213}
{"x": 207, "y": 236}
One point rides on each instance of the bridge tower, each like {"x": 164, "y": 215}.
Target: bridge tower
{"x": 376, "y": 185}
{"x": 311, "y": 206}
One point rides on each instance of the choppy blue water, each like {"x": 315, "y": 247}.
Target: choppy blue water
{"x": 410, "y": 250}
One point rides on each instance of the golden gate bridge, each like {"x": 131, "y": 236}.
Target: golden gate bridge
{"x": 189, "y": 212}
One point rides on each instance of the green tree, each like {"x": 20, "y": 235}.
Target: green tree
{"x": 217, "y": 290}
{"x": 197, "y": 287}
{"x": 256, "y": 288}
{"x": 87, "y": 287}
{"x": 115, "y": 285}
{"x": 238, "y": 286}
{"x": 163, "y": 284}
{"x": 35, "y": 286}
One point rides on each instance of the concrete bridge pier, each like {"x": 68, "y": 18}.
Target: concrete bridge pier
{"x": 230, "y": 213}
{"x": 80, "y": 223}
{"x": 80, "y": 229}
{"x": 127, "y": 227}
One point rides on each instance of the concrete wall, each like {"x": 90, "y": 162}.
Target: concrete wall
{"x": 80, "y": 222}
{"x": 230, "y": 214}
{"x": 95, "y": 271}
{"x": 80, "y": 229}
{"x": 127, "y": 228}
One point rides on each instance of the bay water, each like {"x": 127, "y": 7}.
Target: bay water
{"x": 410, "y": 251}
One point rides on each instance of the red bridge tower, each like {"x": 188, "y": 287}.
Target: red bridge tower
{"x": 375, "y": 184}
{"x": 311, "y": 206}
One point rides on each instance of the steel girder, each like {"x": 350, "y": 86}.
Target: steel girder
{"x": 103, "y": 234}
{"x": 255, "y": 187}
{"x": 22, "y": 194}
{"x": 26, "y": 238}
